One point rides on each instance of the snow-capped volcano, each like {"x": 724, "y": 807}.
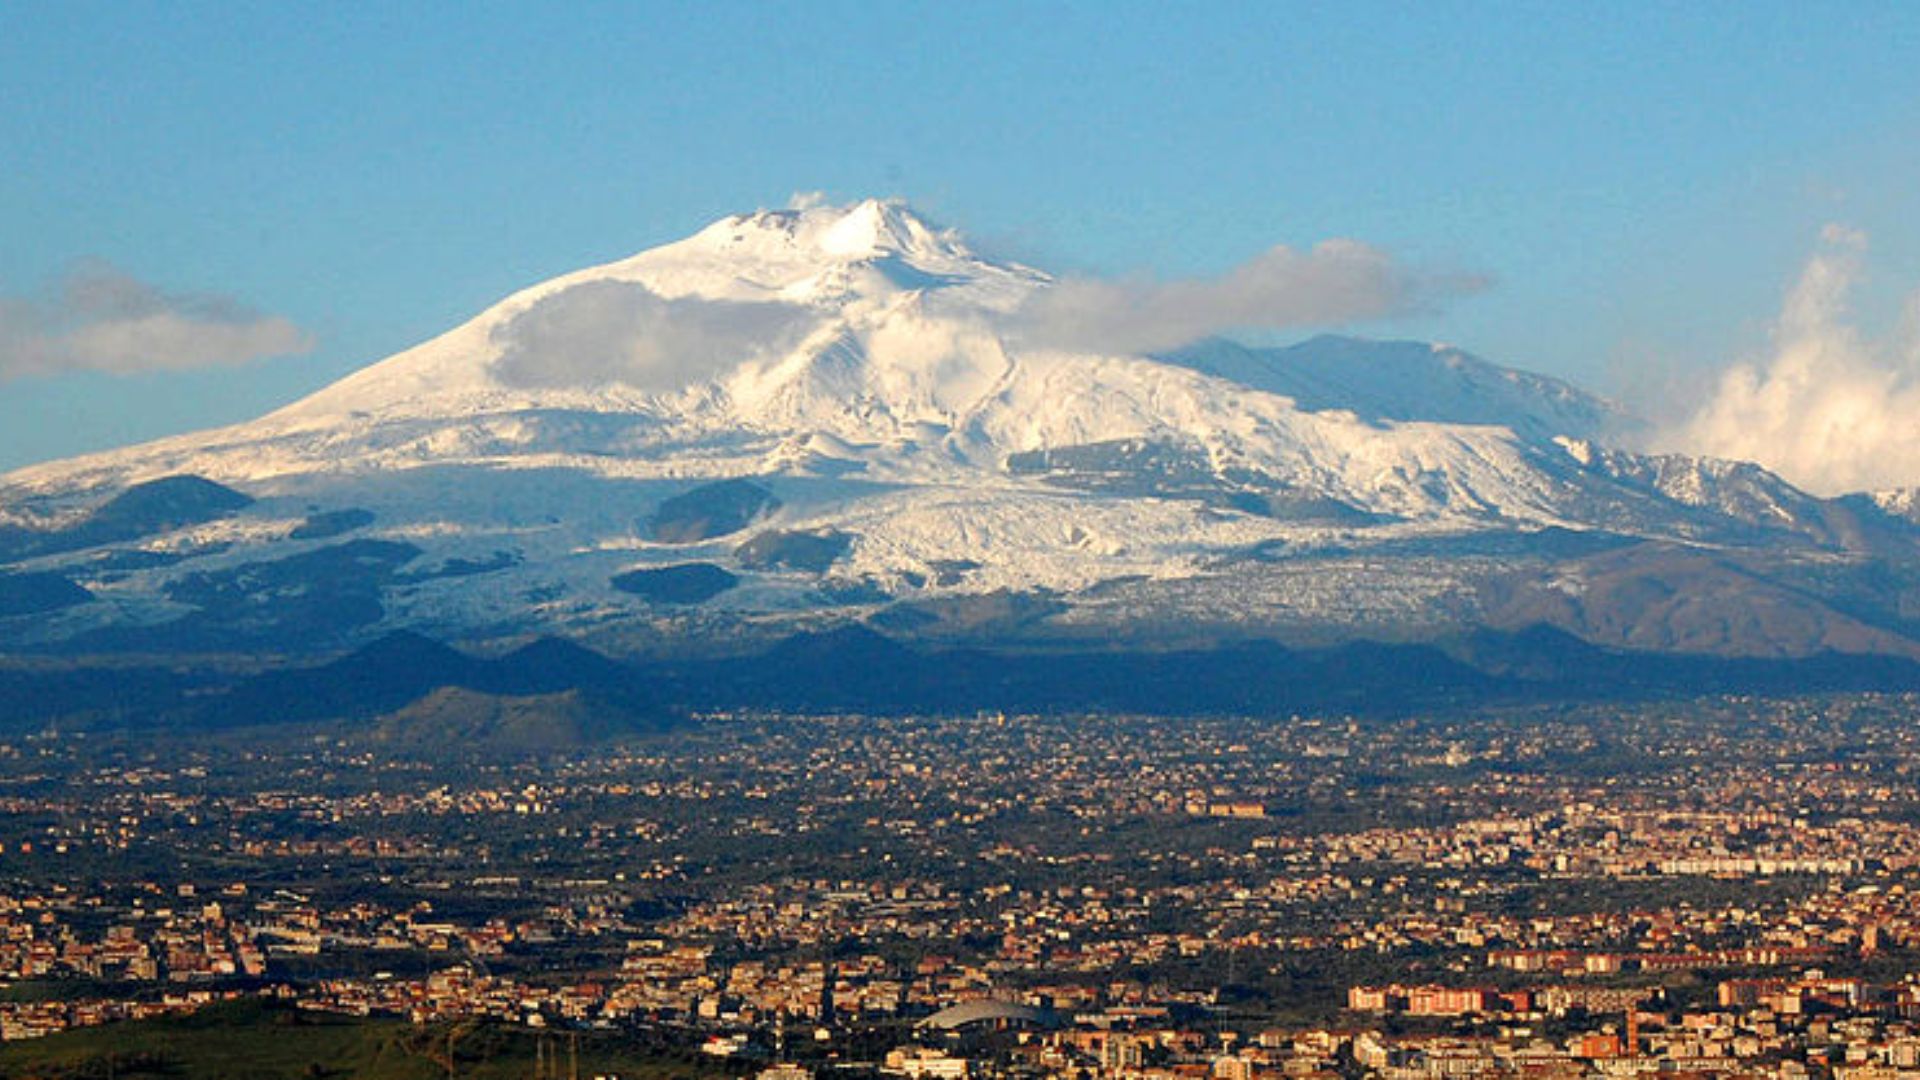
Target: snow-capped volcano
{"x": 837, "y": 412}
{"x": 868, "y": 332}
{"x": 734, "y": 306}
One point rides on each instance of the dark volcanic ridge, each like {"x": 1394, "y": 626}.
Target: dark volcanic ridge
{"x": 408, "y": 690}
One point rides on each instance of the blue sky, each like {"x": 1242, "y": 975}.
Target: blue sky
{"x": 1642, "y": 183}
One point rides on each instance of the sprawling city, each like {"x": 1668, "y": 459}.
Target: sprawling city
{"x": 1728, "y": 885}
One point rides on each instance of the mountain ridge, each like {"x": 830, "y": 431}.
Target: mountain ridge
{"x": 900, "y": 454}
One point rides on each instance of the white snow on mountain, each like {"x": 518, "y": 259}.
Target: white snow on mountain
{"x": 1900, "y": 502}
{"x": 852, "y": 359}
{"x": 1411, "y": 380}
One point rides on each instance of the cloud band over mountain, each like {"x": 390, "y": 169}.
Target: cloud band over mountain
{"x": 603, "y": 332}
{"x": 101, "y": 319}
{"x": 1336, "y": 282}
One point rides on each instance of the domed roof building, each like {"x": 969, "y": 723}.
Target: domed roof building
{"x": 987, "y": 1013}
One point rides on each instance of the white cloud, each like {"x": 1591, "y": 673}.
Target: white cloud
{"x": 1831, "y": 409}
{"x": 101, "y": 319}
{"x": 603, "y": 332}
{"x": 1338, "y": 281}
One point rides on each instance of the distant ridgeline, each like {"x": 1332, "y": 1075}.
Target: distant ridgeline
{"x": 552, "y": 696}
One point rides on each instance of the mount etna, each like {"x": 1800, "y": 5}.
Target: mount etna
{"x": 823, "y": 458}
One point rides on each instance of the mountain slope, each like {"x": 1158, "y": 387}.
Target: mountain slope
{"x": 1403, "y": 381}
{"x": 803, "y": 418}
